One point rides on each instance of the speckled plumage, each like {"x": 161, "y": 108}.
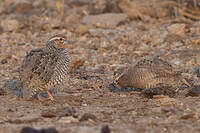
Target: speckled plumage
{"x": 150, "y": 74}
{"x": 45, "y": 67}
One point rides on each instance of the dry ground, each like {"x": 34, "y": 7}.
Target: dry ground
{"x": 84, "y": 104}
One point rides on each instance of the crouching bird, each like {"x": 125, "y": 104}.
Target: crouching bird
{"x": 152, "y": 76}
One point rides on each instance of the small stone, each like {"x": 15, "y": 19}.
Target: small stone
{"x": 14, "y": 86}
{"x": 69, "y": 112}
{"x": 161, "y": 100}
{"x": 82, "y": 29}
{"x": 25, "y": 119}
{"x": 105, "y": 129}
{"x": 157, "y": 110}
{"x": 68, "y": 119}
{"x": 48, "y": 130}
{"x": 2, "y": 91}
{"x": 88, "y": 116}
{"x": 4, "y": 61}
{"x": 29, "y": 130}
{"x": 76, "y": 62}
{"x": 2, "y": 119}
{"x": 178, "y": 29}
{"x": 32, "y": 130}
{"x": 9, "y": 25}
{"x": 187, "y": 116}
{"x": 21, "y": 6}
{"x": 106, "y": 20}
{"x": 194, "y": 91}
{"x": 165, "y": 90}
{"x": 97, "y": 6}
{"x": 48, "y": 113}
{"x": 21, "y": 44}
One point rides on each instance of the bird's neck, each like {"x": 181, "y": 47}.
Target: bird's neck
{"x": 51, "y": 46}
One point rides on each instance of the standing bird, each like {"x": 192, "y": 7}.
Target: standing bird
{"x": 46, "y": 67}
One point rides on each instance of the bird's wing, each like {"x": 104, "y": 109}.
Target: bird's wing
{"x": 38, "y": 65}
{"x": 157, "y": 67}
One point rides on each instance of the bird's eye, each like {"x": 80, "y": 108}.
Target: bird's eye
{"x": 61, "y": 39}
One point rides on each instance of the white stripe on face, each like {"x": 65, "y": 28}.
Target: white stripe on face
{"x": 55, "y": 38}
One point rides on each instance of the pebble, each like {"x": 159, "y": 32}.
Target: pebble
{"x": 69, "y": 112}
{"x": 82, "y": 29}
{"x": 68, "y": 119}
{"x": 32, "y": 130}
{"x": 4, "y": 61}
{"x": 161, "y": 100}
{"x": 48, "y": 114}
{"x": 178, "y": 29}
{"x": 9, "y": 25}
{"x": 106, "y": 20}
{"x": 194, "y": 92}
{"x": 105, "y": 129}
{"x": 87, "y": 116}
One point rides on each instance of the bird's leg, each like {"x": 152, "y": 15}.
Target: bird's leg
{"x": 38, "y": 97}
{"x": 37, "y": 93}
{"x": 50, "y": 96}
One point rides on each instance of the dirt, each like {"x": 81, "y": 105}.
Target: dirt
{"x": 84, "y": 103}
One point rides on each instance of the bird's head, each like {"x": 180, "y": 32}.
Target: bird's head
{"x": 60, "y": 41}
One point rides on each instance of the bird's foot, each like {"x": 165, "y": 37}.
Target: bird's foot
{"x": 39, "y": 98}
{"x": 50, "y": 96}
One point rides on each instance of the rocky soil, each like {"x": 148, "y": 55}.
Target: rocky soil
{"x": 107, "y": 37}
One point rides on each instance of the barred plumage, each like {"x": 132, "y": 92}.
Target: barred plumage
{"x": 46, "y": 67}
{"x": 150, "y": 74}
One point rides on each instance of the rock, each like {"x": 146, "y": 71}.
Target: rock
{"x": 97, "y": 6}
{"x": 29, "y": 130}
{"x": 69, "y": 112}
{"x": 37, "y": 3}
{"x": 100, "y": 6}
{"x": 194, "y": 91}
{"x": 32, "y": 130}
{"x": 25, "y": 119}
{"x": 114, "y": 88}
{"x": 105, "y": 129}
{"x": 20, "y": 6}
{"x": 161, "y": 100}
{"x": 135, "y": 11}
{"x": 4, "y": 61}
{"x": 187, "y": 116}
{"x": 2, "y": 119}
{"x": 165, "y": 90}
{"x": 82, "y": 29}
{"x": 160, "y": 110}
{"x": 2, "y": 92}
{"x": 9, "y": 25}
{"x": 76, "y": 62}
{"x": 14, "y": 86}
{"x": 107, "y": 20}
{"x": 68, "y": 119}
{"x": 88, "y": 116}
{"x": 178, "y": 29}
{"x": 48, "y": 113}
{"x": 170, "y": 38}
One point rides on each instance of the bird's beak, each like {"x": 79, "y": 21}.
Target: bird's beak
{"x": 67, "y": 42}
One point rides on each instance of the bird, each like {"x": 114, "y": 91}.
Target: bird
{"x": 46, "y": 67}
{"x": 150, "y": 73}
